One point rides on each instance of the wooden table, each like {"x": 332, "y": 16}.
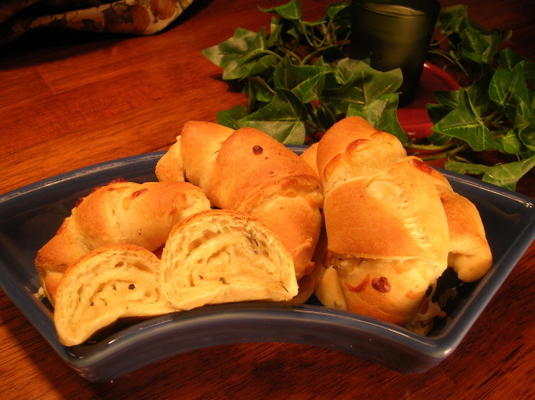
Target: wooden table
{"x": 66, "y": 103}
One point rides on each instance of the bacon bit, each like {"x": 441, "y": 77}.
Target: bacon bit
{"x": 381, "y": 284}
{"x": 422, "y": 166}
{"x": 257, "y": 150}
{"x": 360, "y": 287}
{"x": 138, "y": 192}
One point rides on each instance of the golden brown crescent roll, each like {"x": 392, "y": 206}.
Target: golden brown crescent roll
{"x": 106, "y": 284}
{"x": 469, "y": 252}
{"x": 248, "y": 171}
{"x": 170, "y": 167}
{"x": 387, "y": 230}
{"x": 222, "y": 256}
{"x": 121, "y": 212}
{"x": 310, "y": 156}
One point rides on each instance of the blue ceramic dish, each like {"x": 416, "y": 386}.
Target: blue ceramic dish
{"x": 29, "y": 217}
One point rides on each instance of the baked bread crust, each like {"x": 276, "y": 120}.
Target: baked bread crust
{"x": 387, "y": 231}
{"x": 469, "y": 253}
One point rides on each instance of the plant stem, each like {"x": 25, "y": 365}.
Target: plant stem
{"x": 430, "y": 147}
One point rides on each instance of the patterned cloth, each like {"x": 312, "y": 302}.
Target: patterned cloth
{"x": 140, "y": 17}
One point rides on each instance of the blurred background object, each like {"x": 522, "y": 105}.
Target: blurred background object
{"x": 138, "y": 17}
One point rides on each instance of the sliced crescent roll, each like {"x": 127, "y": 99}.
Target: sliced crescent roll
{"x": 222, "y": 256}
{"x": 106, "y": 284}
{"x": 121, "y": 212}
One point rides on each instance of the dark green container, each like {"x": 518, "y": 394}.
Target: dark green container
{"x": 394, "y": 33}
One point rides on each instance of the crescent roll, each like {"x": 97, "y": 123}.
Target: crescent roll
{"x": 391, "y": 223}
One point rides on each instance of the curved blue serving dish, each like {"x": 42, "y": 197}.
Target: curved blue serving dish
{"x": 30, "y": 216}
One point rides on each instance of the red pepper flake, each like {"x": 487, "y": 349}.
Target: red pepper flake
{"x": 138, "y": 192}
{"x": 361, "y": 286}
{"x": 257, "y": 149}
{"x": 381, "y": 284}
{"x": 422, "y": 166}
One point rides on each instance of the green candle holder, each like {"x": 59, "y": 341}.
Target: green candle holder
{"x": 394, "y": 34}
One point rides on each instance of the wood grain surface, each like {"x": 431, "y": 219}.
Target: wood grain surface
{"x": 72, "y": 100}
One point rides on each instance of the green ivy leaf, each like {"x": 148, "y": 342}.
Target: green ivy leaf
{"x": 283, "y": 118}
{"x": 453, "y": 19}
{"x": 306, "y": 82}
{"x": 230, "y": 117}
{"x": 258, "y": 92}
{"x": 381, "y": 112}
{"x": 354, "y": 82}
{"x": 527, "y": 136}
{"x": 465, "y": 122}
{"x": 336, "y": 10}
{"x": 505, "y": 175}
{"x": 478, "y": 45}
{"x": 291, "y": 10}
{"x": 510, "y": 143}
{"x": 507, "y": 59}
{"x": 241, "y": 55}
{"x": 274, "y": 37}
{"x": 288, "y": 132}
